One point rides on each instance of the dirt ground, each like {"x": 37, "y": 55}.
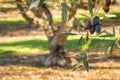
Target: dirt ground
{"x": 29, "y": 67}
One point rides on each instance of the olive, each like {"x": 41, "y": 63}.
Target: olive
{"x": 92, "y": 29}
{"x": 98, "y": 28}
{"x": 105, "y": 8}
{"x": 87, "y": 25}
{"x": 96, "y": 20}
{"x": 108, "y": 2}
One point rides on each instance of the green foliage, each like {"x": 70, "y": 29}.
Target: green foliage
{"x": 86, "y": 45}
{"x": 84, "y": 60}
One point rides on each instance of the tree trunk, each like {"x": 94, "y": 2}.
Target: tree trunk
{"x": 57, "y": 41}
{"x": 58, "y": 52}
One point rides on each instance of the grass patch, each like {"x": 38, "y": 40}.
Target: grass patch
{"x": 41, "y": 46}
{"x": 12, "y": 22}
{"x": 24, "y": 47}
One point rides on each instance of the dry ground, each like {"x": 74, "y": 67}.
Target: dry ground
{"x": 29, "y": 67}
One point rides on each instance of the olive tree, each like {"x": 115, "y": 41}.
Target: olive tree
{"x": 40, "y": 15}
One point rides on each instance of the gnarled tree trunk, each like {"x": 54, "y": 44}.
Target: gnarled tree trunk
{"x": 57, "y": 41}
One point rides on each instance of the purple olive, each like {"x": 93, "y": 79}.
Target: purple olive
{"x": 98, "y": 28}
{"x": 92, "y": 29}
{"x": 96, "y": 20}
{"x": 87, "y": 25}
{"x": 108, "y": 2}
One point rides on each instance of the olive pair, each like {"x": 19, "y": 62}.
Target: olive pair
{"x": 96, "y": 25}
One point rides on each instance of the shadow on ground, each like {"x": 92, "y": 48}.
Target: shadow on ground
{"x": 36, "y": 61}
{"x": 27, "y": 60}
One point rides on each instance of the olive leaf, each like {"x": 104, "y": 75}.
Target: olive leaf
{"x": 78, "y": 24}
{"x": 64, "y": 10}
{"x": 110, "y": 48}
{"x": 85, "y": 61}
{"x": 80, "y": 42}
{"x": 34, "y": 4}
{"x": 77, "y": 65}
{"x": 84, "y": 15}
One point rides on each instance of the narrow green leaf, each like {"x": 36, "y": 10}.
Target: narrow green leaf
{"x": 77, "y": 65}
{"x": 113, "y": 30}
{"x": 110, "y": 48}
{"x": 80, "y": 42}
{"x": 34, "y": 4}
{"x": 78, "y": 24}
{"x": 85, "y": 61}
{"x": 24, "y": 11}
{"x": 106, "y": 32}
{"x": 100, "y": 33}
{"x": 84, "y": 15}
{"x": 64, "y": 11}
{"x": 87, "y": 37}
{"x": 68, "y": 34}
{"x": 90, "y": 7}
